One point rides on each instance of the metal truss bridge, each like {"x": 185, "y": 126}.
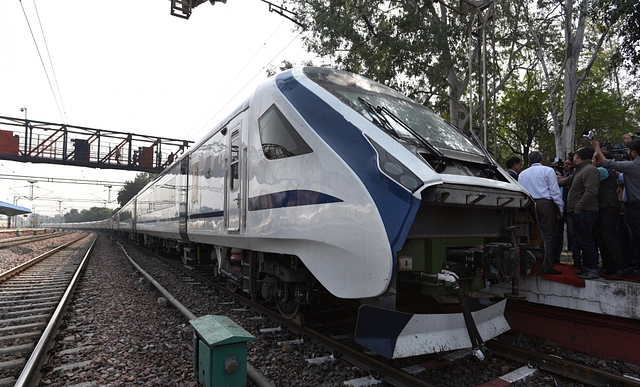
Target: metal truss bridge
{"x": 45, "y": 142}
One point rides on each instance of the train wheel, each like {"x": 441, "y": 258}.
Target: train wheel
{"x": 214, "y": 265}
{"x": 288, "y": 309}
{"x": 231, "y": 285}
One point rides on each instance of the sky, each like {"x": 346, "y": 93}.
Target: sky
{"x": 128, "y": 66}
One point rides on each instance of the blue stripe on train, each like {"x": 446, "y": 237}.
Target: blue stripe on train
{"x": 396, "y": 206}
{"x": 290, "y": 198}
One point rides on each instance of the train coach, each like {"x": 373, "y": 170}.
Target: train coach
{"x": 324, "y": 181}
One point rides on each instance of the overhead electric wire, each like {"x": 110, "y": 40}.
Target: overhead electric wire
{"x": 247, "y": 84}
{"x": 254, "y": 77}
{"x": 234, "y": 78}
{"x": 61, "y": 180}
{"x": 41, "y": 61}
{"x": 53, "y": 70}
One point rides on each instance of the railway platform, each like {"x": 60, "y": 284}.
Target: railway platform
{"x": 599, "y": 317}
{"x": 4, "y": 233}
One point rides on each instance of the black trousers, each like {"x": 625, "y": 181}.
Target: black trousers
{"x": 609, "y": 242}
{"x": 546, "y": 211}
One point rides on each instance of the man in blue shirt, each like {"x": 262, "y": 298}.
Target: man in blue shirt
{"x": 514, "y": 166}
{"x": 542, "y": 184}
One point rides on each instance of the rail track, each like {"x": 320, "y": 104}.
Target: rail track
{"x": 22, "y": 240}
{"x": 32, "y": 301}
{"x": 401, "y": 377}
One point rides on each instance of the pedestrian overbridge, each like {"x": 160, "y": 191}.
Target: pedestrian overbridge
{"x": 45, "y": 142}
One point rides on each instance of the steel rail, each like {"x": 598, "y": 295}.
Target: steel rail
{"x": 16, "y": 270}
{"x": 28, "y": 239}
{"x": 399, "y": 378}
{"x": 388, "y": 373}
{"x": 31, "y": 372}
{"x": 254, "y": 375}
{"x": 561, "y": 367}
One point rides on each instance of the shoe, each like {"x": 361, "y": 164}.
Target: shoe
{"x": 616, "y": 275}
{"x": 551, "y": 271}
{"x": 607, "y": 271}
{"x": 589, "y": 275}
{"x": 581, "y": 272}
{"x": 626, "y": 272}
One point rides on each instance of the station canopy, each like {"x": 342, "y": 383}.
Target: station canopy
{"x": 11, "y": 210}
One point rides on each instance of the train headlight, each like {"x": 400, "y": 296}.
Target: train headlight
{"x": 392, "y": 169}
{"x": 395, "y": 170}
{"x": 410, "y": 182}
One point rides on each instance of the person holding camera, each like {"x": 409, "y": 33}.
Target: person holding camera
{"x": 631, "y": 171}
{"x": 542, "y": 184}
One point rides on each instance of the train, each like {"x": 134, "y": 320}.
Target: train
{"x": 326, "y": 182}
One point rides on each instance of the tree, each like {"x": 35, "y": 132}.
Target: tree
{"x": 90, "y": 215}
{"x": 583, "y": 30}
{"x": 627, "y": 33}
{"x": 600, "y": 108}
{"x": 285, "y": 65}
{"x": 72, "y": 216}
{"x": 424, "y": 49}
{"x": 523, "y": 119}
{"x": 418, "y": 47}
{"x": 131, "y": 188}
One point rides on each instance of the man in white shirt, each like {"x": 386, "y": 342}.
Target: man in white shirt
{"x": 542, "y": 184}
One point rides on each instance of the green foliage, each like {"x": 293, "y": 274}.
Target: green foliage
{"x": 131, "y": 188}
{"x": 626, "y": 13}
{"x": 600, "y": 108}
{"x": 285, "y": 65}
{"x": 420, "y": 48}
{"x": 90, "y": 215}
{"x": 524, "y": 124}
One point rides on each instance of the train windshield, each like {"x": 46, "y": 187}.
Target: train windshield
{"x": 375, "y": 101}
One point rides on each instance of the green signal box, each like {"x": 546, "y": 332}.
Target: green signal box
{"x": 219, "y": 351}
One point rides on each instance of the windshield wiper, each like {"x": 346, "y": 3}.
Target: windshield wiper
{"x": 439, "y": 162}
{"x": 379, "y": 119}
{"x": 382, "y": 122}
{"x": 492, "y": 168}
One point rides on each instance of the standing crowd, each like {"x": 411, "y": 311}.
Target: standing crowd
{"x": 598, "y": 199}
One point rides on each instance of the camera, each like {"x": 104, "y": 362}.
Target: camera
{"x": 558, "y": 164}
{"x": 588, "y": 134}
{"x": 618, "y": 152}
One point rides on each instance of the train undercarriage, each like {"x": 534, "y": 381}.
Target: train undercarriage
{"x": 429, "y": 270}
{"x": 282, "y": 279}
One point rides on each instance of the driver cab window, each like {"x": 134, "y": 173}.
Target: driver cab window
{"x": 279, "y": 138}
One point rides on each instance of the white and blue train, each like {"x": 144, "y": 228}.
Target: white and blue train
{"x": 325, "y": 181}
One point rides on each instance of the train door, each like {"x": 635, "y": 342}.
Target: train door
{"x": 182, "y": 184}
{"x": 234, "y": 186}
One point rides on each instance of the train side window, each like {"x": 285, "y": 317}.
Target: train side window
{"x": 235, "y": 164}
{"x": 279, "y": 138}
